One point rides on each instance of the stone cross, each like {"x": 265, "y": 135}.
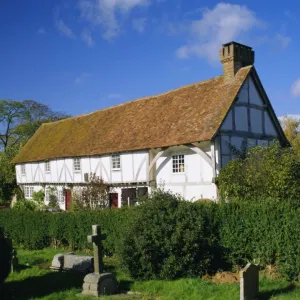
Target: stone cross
{"x": 249, "y": 282}
{"x": 96, "y": 238}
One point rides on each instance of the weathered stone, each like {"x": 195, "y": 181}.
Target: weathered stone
{"x": 249, "y": 282}
{"x": 57, "y": 262}
{"x": 86, "y": 286}
{"x": 100, "y": 284}
{"x": 78, "y": 263}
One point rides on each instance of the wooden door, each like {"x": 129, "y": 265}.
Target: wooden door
{"x": 113, "y": 200}
{"x": 128, "y": 197}
{"x": 68, "y": 199}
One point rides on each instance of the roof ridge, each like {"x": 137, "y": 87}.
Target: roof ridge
{"x": 135, "y": 100}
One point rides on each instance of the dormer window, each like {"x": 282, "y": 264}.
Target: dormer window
{"x": 23, "y": 170}
{"x": 77, "y": 164}
{"x": 47, "y": 166}
{"x": 116, "y": 162}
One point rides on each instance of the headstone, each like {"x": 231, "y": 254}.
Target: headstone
{"x": 78, "y": 263}
{"x": 249, "y": 282}
{"x": 72, "y": 262}
{"x": 57, "y": 262}
{"x": 98, "y": 283}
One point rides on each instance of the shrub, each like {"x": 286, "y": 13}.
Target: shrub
{"x": 38, "y": 197}
{"x": 5, "y": 256}
{"x": 266, "y": 173}
{"x": 26, "y": 205}
{"x": 168, "y": 238}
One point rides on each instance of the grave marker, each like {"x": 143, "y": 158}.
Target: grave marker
{"x": 249, "y": 282}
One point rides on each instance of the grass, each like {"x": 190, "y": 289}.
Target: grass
{"x": 34, "y": 281}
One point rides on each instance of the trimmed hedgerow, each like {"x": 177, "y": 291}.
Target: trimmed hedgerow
{"x": 166, "y": 237}
{"x": 37, "y": 230}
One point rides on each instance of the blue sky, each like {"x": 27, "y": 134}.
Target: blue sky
{"x": 82, "y": 55}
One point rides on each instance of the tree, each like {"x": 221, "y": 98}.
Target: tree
{"x": 92, "y": 196}
{"x": 266, "y": 173}
{"x": 20, "y": 119}
{"x": 291, "y": 127}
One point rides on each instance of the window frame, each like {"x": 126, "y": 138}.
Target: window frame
{"x": 23, "y": 170}
{"x": 47, "y": 170}
{"x": 28, "y": 191}
{"x": 118, "y": 162}
{"x": 75, "y": 165}
{"x": 61, "y": 197}
{"x": 177, "y": 161}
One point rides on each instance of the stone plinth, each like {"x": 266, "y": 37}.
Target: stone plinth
{"x": 99, "y": 284}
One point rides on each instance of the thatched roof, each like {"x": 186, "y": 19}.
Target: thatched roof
{"x": 189, "y": 114}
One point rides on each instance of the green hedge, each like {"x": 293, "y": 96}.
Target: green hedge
{"x": 37, "y": 230}
{"x": 169, "y": 238}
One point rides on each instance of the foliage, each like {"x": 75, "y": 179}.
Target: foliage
{"x": 266, "y": 173}
{"x": 53, "y": 198}
{"x": 37, "y": 229}
{"x": 291, "y": 127}
{"x": 92, "y": 196}
{"x": 169, "y": 238}
{"x": 39, "y": 197}
{"x": 26, "y": 205}
{"x": 5, "y": 256}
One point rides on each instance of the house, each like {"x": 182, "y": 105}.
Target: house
{"x": 178, "y": 140}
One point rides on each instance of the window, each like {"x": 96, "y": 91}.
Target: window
{"x": 77, "y": 166}
{"x": 28, "y": 191}
{"x": 23, "y": 170}
{"x": 116, "y": 162}
{"x": 178, "y": 163}
{"x": 47, "y": 166}
{"x": 61, "y": 196}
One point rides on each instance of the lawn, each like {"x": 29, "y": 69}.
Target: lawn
{"x": 35, "y": 281}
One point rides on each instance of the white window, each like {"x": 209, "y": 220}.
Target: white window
{"x": 116, "y": 162}
{"x": 47, "y": 166}
{"x": 28, "y": 191}
{"x": 61, "y": 196}
{"x": 178, "y": 163}
{"x": 23, "y": 170}
{"x": 77, "y": 165}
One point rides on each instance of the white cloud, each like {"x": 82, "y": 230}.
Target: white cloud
{"x": 64, "y": 29}
{"x": 296, "y": 88}
{"x": 87, "y": 37}
{"x": 283, "y": 40}
{"x": 82, "y": 78}
{"x": 41, "y": 31}
{"x": 108, "y": 13}
{"x": 113, "y": 95}
{"x": 224, "y": 23}
{"x": 139, "y": 24}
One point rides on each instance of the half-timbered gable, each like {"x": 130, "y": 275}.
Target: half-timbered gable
{"x": 178, "y": 140}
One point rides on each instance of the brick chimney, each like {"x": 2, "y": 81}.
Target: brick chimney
{"x": 234, "y": 56}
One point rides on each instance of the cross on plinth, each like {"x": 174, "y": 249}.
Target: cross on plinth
{"x": 96, "y": 238}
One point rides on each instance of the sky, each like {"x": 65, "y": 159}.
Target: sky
{"x": 78, "y": 56}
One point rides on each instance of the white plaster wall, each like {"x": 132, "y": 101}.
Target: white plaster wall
{"x": 134, "y": 168}
{"x": 194, "y": 183}
{"x": 241, "y": 118}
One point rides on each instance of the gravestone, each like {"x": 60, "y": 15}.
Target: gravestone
{"x": 98, "y": 283}
{"x": 249, "y": 282}
{"x": 72, "y": 262}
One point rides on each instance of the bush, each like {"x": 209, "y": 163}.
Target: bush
{"x": 5, "y": 256}
{"x": 26, "y": 205}
{"x": 38, "y": 197}
{"x": 169, "y": 238}
{"x": 266, "y": 173}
